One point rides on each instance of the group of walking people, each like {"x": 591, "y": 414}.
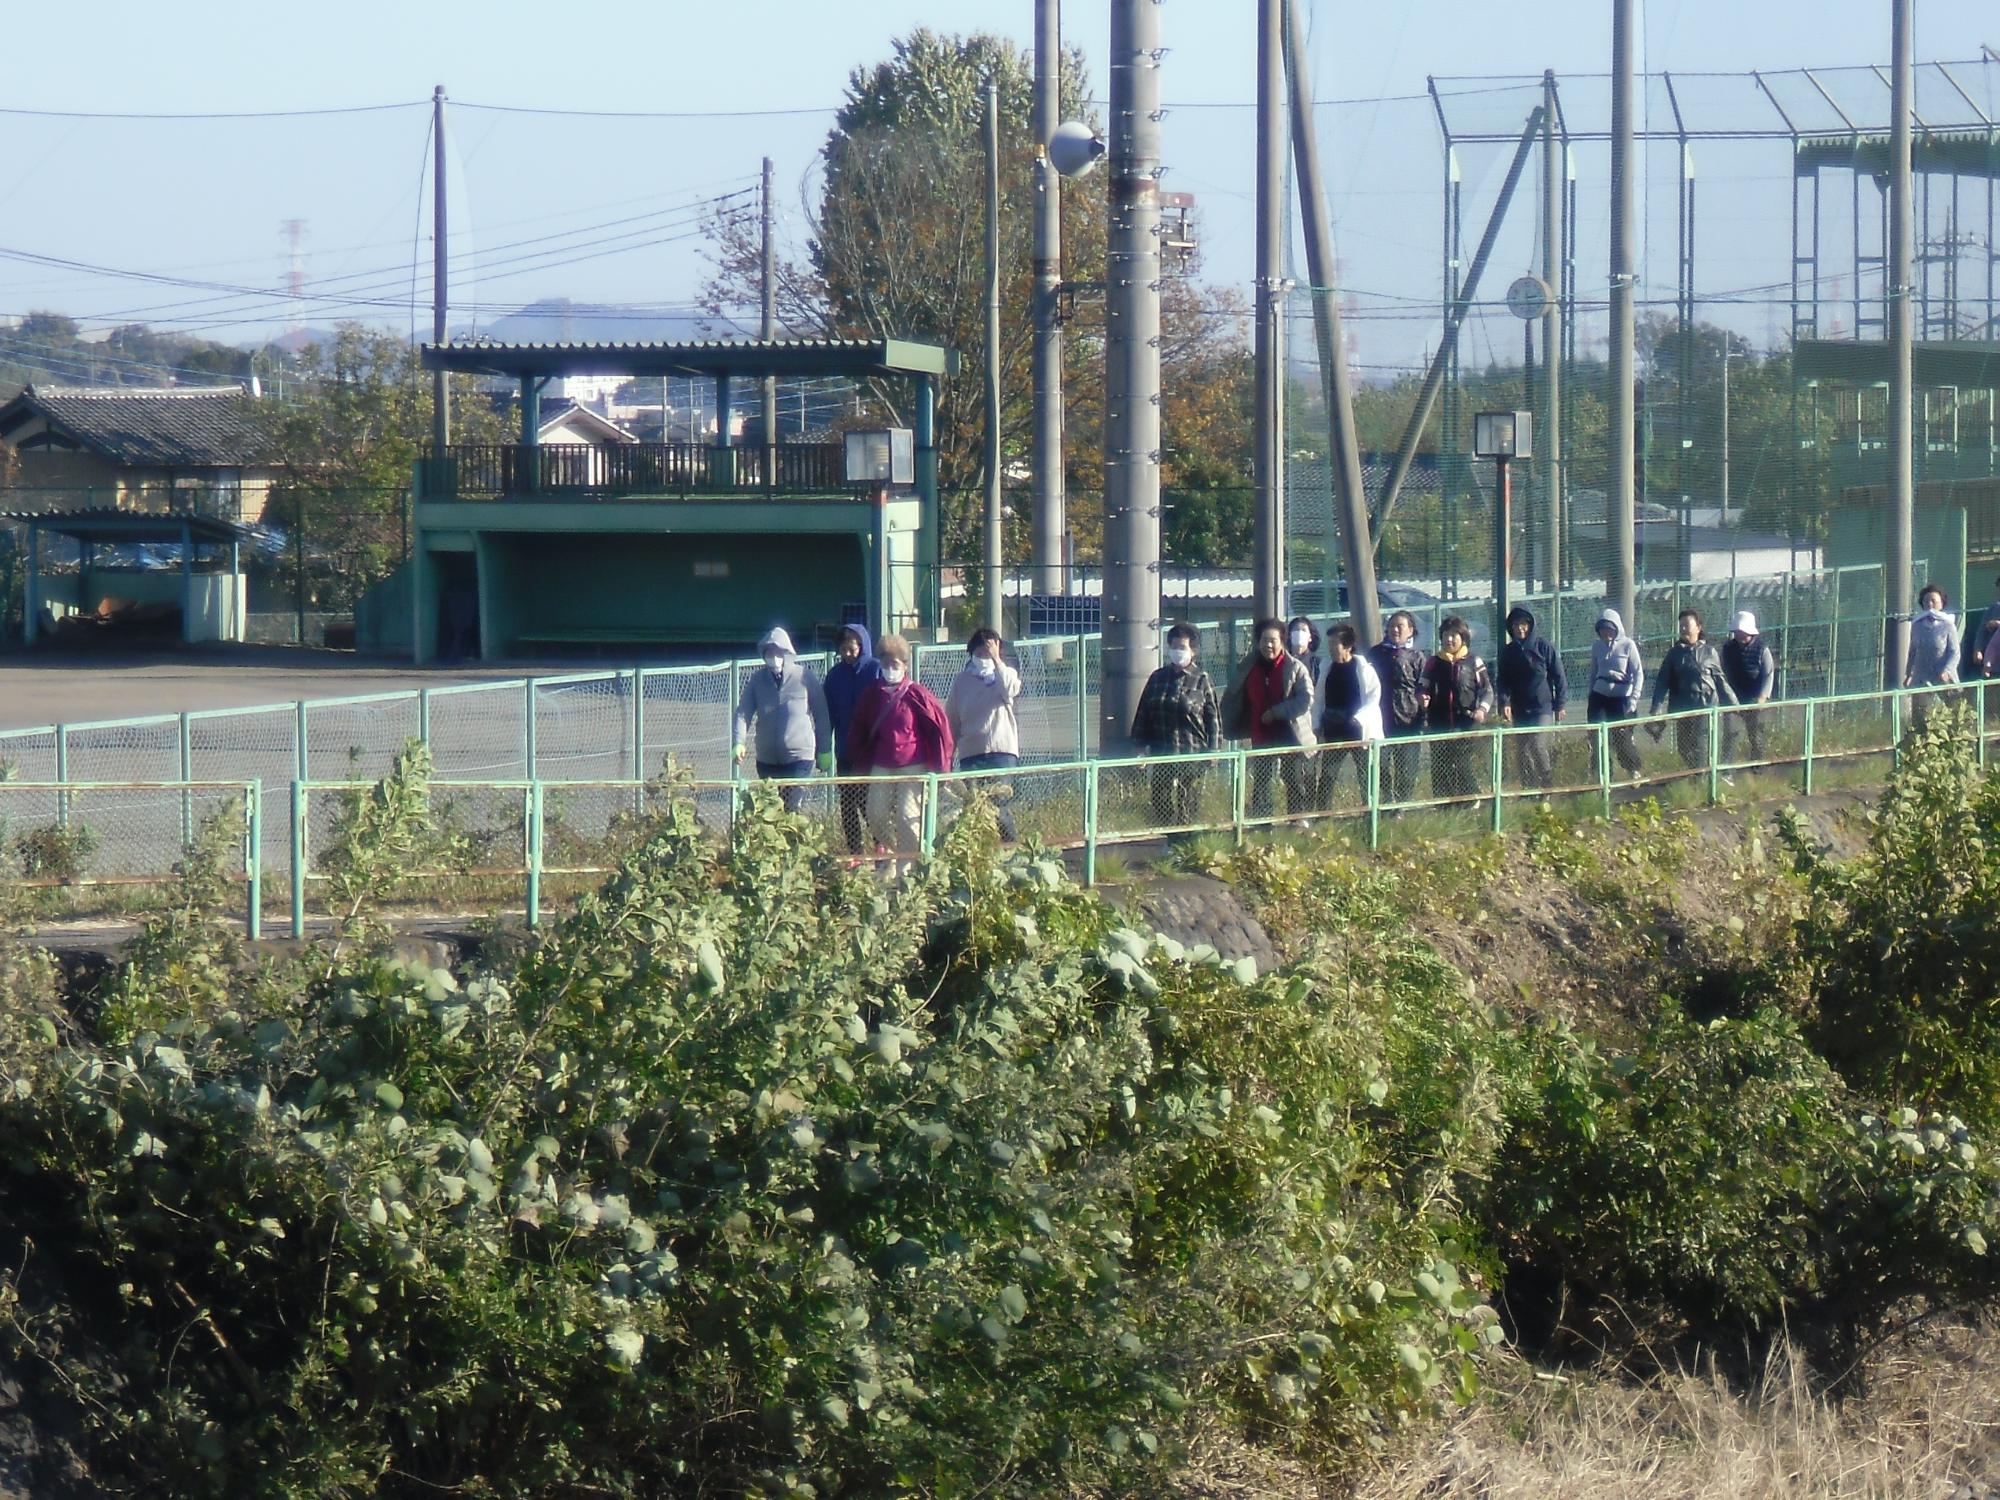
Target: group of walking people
{"x": 870, "y": 717}
{"x": 1295, "y": 690}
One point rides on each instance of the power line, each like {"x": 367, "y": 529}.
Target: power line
{"x": 213, "y": 114}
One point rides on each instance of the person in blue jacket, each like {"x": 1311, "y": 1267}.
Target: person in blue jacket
{"x": 1534, "y": 690}
{"x": 853, "y": 669}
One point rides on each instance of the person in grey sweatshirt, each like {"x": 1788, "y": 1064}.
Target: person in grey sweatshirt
{"x": 980, "y": 710}
{"x": 787, "y": 707}
{"x": 1616, "y": 676}
{"x": 1934, "y": 642}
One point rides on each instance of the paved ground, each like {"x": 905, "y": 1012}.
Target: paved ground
{"x": 73, "y": 685}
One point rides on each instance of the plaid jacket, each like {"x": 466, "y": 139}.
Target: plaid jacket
{"x": 1178, "y": 713}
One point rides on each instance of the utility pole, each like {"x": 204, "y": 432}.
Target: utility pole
{"x": 1622, "y": 581}
{"x": 440, "y": 386}
{"x": 1727, "y": 355}
{"x": 1350, "y": 496}
{"x": 1050, "y": 498}
{"x": 1132, "y": 275}
{"x": 1267, "y": 579}
{"x": 994, "y": 602}
{"x": 1550, "y": 440}
{"x": 1902, "y": 477}
{"x": 767, "y": 328}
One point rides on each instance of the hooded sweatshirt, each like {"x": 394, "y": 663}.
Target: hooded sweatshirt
{"x": 1934, "y": 649}
{"x": 1615, "y": 668}
{"x": 787, "y": 707}
{"x": 980, "y": 710}
{"x": 845, "y": 682}
{"x": 1531, "y": 679}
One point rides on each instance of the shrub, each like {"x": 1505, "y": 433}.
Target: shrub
{"x": 755, "y": 1175}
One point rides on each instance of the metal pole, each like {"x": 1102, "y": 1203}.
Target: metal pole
{"x": 1550, "y": 440}
{"x": 1267, "y": 581}
{"x": 1455, "y": 316}
{"x": 1050, "y": 497}
{"x": 1131, "y": 373}
{"x": 1623, "y": 580}
{"x": 1902, "y": 493}
{"x": 1726, "y": 356}
{"x": 991, "y": 554}
{"x": 1503, "y": 520}
{"x": 1350, "y": 496}
{"x": 440, "y": 285}
{"x": 767, "y": 329}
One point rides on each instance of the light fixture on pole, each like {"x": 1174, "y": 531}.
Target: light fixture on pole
{"x": 1503, "y": 436}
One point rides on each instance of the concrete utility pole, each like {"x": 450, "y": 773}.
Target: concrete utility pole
{"x": 1050, "y": 498}
{"x": 1902, "y": 478}
{"x": 1350, "y": 495}
{"x": 992, "y": 557}
{"x": 1549, "y": 440}
{"x": 1267, "y": 577}
{"x": 1622, "y": 582}
{"x": 440, "y": 386}
{"x": 1132, "y": 271}
{"x": 767, "y": 327}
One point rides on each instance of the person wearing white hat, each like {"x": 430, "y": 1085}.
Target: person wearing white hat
{"x": 1752, "y": 673}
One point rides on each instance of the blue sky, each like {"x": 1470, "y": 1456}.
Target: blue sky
{"x": 204, "y": 200}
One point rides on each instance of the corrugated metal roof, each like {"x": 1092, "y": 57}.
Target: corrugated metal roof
{"x": 157, "y": 427}
{"x": 107, "y": 523}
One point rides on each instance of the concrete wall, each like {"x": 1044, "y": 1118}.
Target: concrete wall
{"x": 219, "y": 598}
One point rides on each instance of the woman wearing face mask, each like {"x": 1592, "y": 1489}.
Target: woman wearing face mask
{"x": 899, "y": 733}
{"x": 1269, "y": 703}
{"x": 1178, "y": 715}
{"x": 788, "y": 708}
{"x": 980, "y": 710}
{"x": 853, "y": 669}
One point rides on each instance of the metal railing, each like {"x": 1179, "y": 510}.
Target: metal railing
{"x": 1474, "y": 779}
{"x": 492, "y": 471}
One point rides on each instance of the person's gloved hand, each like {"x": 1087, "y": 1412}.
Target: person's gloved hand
{"x": 826, "y": 763}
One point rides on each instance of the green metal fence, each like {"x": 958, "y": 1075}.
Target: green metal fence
{"x": 1464, "y": 784}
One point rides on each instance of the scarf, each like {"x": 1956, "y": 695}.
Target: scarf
{"x": 1454, "y": 656}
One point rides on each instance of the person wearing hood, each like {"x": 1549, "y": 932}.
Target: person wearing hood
{"x": 1460, "y": 691}
{"x": 1752, "y": 674}
{"x": 1399, "y": 667}
{"x": 1269, "y": 703}
{"x": 1616, "y": 676}
{"x": 1534, "y": 690}
{"x": 853, "y": 669}
{"x": 1690, "y": 679}
{"x": 787, "y": 708}
{"x": 899, "y": 733}
{"x": 979, "y": 707}
{"x": 1934, "y": 643}
{"x": 1178, "y": 714}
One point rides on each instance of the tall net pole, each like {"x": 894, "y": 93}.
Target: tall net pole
{"x": 1902, "y": 479}
{"x": 1621, "y": 567}
{"x": 1267, "y": 456}
{"x": 1132, "y": 274}
{"x": 1050, "y": 497}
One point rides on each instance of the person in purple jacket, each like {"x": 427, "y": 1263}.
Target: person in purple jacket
{"x": 853, "y": 669}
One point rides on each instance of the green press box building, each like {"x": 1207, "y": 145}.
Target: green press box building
{"x": 532, "y": 548}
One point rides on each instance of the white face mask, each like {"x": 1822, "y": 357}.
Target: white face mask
{"x": 776, "y": 664}
{"x": 986, "y": 667}
{"x": 1180, "y": 656}
{"x": 892, "y": 671}
{"x": 1301, "y": 639}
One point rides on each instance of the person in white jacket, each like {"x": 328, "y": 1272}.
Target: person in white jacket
{"x": 1616, "y": 676}
{"x": 980, "y": 710}
{"x": 1350, "y": 716}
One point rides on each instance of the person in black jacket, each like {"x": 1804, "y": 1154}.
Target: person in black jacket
{"x": 1399, "y": 666}
{"x": 1459, "y": 693}
{"x": 1533, "y": 690}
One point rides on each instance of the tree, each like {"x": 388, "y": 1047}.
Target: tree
{"x": 895, "y": 248}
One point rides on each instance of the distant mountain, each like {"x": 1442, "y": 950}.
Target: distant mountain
{"x": 559, "y": 320}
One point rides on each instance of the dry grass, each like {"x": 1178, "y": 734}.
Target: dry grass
{"x": 1929, "y": 1419}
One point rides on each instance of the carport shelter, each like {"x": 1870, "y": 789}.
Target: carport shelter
{"x": 210, "y": 599}
{"x": 533, "y": 547}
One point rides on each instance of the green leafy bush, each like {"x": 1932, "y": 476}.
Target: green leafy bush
{"x": 755, "y": 1175}
{"x": 1895, "y": 955}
